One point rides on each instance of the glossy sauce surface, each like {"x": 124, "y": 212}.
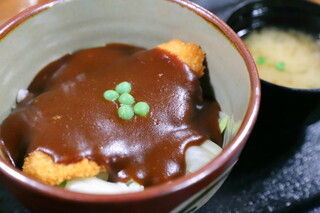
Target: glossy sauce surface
{"x": 66, "y": 116}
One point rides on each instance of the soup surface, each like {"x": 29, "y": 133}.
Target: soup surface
{"x": 286, "y": 57}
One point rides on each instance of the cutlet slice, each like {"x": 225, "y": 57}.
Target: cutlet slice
{"x": 189, "y": 53}
{"x": 41, "y": 166}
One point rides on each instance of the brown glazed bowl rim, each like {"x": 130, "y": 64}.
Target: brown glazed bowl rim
{"x": 214, "y": 169}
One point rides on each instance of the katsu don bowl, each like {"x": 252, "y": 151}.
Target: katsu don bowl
{"x": 122, "y": 106}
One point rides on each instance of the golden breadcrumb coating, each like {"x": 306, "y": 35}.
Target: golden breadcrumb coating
{"x": 41, "y": 166}
{"x": 189, "y": 53}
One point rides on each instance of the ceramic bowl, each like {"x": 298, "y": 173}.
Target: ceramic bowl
{"x": 283, "y": 110}
{"x": 46, "y": 32}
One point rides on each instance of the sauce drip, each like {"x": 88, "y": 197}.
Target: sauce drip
{"x": 67, "y": 117}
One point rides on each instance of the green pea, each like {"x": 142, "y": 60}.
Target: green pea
{"x": 141, "y": 108}
{"x": 126, "y": 99}
{"x": 281, "y": 66}
{"x": 125, "y": 112}
{"x": 111, "y": 95}
{"x": 261, "y": 60}
{"x": 123, "y": 87}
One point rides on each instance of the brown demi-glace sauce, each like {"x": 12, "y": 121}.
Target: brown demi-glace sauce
{"x": 68, "y": 118}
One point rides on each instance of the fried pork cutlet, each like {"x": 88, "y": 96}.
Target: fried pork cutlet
{"x": 189, "y": 53}
{"x": 42, "y": 167}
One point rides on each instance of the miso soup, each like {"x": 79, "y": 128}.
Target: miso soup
{"x": 286, "y": 57}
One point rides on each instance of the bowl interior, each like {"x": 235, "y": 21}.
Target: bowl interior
{"x": 62, "y": 27}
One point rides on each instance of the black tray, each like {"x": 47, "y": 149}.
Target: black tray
{"x": 264, "y": 179}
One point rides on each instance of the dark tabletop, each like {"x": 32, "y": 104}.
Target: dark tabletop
{"x": 264, "y": 179}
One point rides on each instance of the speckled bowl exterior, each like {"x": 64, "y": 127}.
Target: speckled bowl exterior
{"x": 45, "y": 32}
